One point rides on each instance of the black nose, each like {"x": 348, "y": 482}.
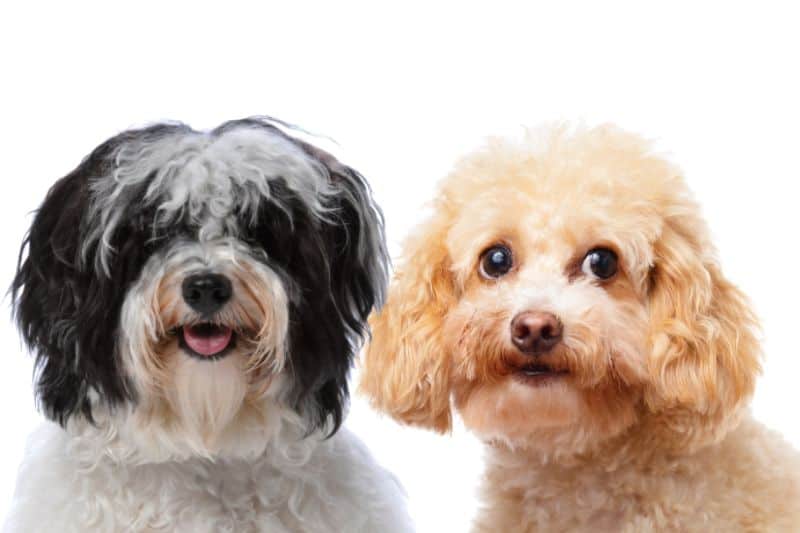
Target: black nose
{"x": 207, "y": 293}
{"x": 535, "y": 332}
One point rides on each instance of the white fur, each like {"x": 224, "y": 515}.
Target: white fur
{"x": 80, "y": 480}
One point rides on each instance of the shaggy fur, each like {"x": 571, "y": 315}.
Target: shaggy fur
{"x": 637, "y": 419}
{"x": 241, "y": 435}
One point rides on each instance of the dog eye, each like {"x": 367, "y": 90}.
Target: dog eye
{"x": 600, "y": 263}
{"x": 496, "y": 262}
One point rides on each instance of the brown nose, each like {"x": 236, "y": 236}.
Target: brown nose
{"x": 535, "y": 332}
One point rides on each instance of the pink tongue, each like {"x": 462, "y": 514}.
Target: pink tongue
{"x": 207, "y": 343}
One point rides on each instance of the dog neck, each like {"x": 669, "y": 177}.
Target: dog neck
{"x": 654, "y": 437}
{"x": 593, "y": 490}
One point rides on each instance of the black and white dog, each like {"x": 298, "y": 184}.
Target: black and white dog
{"x": 194, "y": 301}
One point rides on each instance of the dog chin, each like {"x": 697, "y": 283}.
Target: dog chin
{"x": 552, "y": 416}
{"x": 210, "y": 407}
{"x": 207, "y": 395}
{"x": 513, "y": 409}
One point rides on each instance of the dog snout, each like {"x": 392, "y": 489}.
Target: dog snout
{"x": 536, "y": 332}
{"x": 207, "y": 293}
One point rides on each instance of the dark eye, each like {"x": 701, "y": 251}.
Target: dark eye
{"x": 600, "y": 263}
{"x": 496, "y": 262}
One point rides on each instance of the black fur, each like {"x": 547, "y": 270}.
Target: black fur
{"x": 68, "y": 312}
{"x": 339, "y": 271}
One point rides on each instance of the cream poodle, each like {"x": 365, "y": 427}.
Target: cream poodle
{"x": 565, "y": 298}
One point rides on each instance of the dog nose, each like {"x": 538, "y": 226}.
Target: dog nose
{"x": 207, "y": 293}
{"x": 535, "y": 332}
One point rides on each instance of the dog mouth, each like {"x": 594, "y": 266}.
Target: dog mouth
{"x": 206, "y": 340}
{"x": 539, "y": 373}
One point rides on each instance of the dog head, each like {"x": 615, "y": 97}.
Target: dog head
{"x": 563, "y": 291}
{"x": 192, "y": 283}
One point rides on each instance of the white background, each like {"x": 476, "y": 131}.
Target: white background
{"x": 404, "y": 92}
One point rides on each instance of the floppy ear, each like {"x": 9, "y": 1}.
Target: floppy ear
{"x": 705, "y": 355}
{"x": 339, "y": 265}
{"x": 67, "y": 312}
{"x": 360, "y": 262}
{"x": 358, "y": 269}
{"x": 406, "y": 369}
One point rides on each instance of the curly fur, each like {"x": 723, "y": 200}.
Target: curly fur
{"x": 86, "y": 480}
{"x": 648, "y": 429}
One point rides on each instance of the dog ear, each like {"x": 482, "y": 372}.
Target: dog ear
{"x": 67, "y": 313}
{"x": 406, "y": 370}
{"x": 705, "y": 354}
{"x": 358, "y": 270}
{"x": 360, "y": 262}
{"x": 340, "y": 266}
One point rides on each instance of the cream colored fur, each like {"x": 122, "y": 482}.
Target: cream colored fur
{"x": 746, "y": 483}
{"x": 648, "y": 428}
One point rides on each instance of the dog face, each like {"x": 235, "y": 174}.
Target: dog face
{"x": 563, "y": 292}
{"x": 189, "y": 282}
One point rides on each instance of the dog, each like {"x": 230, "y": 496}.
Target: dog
{"x": 194, "y": 300}
{"x": 565, "y": 298}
